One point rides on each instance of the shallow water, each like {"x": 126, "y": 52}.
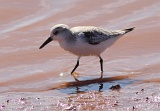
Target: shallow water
{"x": 132, "y": 62}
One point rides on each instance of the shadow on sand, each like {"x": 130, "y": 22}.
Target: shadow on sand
{"x": 77, "y": 85}
{"x": 99, "y": 84}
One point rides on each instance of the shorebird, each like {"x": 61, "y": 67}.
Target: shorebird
{"x": 84, "y": 40}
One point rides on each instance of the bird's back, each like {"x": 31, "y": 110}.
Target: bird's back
{"x": 94, "y": 35}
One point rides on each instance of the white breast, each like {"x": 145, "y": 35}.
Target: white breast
{"x": 81, "y": 48}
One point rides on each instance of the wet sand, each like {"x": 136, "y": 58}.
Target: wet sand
{"x": 33, "y": 79}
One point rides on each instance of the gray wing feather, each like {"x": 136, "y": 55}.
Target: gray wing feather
{"x": 97, "y": 36}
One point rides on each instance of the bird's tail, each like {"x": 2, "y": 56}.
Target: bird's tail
{"x": 128, "y": 30}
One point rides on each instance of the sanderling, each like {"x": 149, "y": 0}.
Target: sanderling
{"x": 84, "y": 40}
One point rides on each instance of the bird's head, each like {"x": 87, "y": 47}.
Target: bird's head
{"x": 58, "y": 32}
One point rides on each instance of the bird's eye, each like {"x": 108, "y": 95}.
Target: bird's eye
{"x": 55, "y": 33}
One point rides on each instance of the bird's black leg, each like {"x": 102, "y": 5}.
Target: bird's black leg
{"x": 76, "y": 66}
{"x": 75, "y": 69}
{"x": 101, "y": 63}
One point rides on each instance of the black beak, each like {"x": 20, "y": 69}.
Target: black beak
{"x": 46, "y": 42}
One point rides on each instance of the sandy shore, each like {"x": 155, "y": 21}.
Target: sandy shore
{"x": 33, "y": 79}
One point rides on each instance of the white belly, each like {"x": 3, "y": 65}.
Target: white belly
{"x": 81, "y": 48}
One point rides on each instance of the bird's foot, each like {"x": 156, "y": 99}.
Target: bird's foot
{"x": 101, "y": 75}
{"x": 76, "y": 79}
{"x": 75, "y": 76}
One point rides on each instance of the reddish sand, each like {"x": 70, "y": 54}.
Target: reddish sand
{"x": 33, "y": 79}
